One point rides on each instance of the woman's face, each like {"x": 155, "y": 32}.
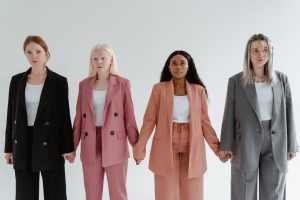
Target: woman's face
{"x": 178, "y": 66}
{"x": 36, "y": 55}
{"x": 259, "y": 53}
{"x": 101, "y": 60}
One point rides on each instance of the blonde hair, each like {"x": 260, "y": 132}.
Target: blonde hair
{"x": 113, "y": 66}
{"x": 248, "y": 73}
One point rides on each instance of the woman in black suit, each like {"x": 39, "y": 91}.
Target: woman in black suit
{"x": 38, "y": 131}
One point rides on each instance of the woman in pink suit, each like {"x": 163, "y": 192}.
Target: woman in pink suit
{"x": 104, "y": 119}
{"x": 178, "y": 110}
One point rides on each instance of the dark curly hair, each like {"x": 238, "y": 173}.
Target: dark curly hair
{"x": 192, "y": 74}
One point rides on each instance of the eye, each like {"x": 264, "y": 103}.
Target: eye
{"x": 28, "y": 52}
{"x": 174, "y": 64}
{"x": 95, "y": 59}
{"x": 38, "y": 51}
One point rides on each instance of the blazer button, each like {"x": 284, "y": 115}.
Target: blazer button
{"x": 273, "y": 132}
{"x": 86, "y": 133}
{"x": 15, "y": 121}
{"x": 45, "y": 143}
{"x": 16, "y": 142}
{"x": 116, "y": 114}
{"x": 84, "y": 115}
{"x": 112, "y": 133}
{"x": 47, "y": 123}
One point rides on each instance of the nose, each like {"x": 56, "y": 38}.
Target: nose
{"x": 260, "y": 53}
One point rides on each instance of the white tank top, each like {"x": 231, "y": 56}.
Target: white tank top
{"x": 265, "y": 100}
{"x": 99, "y": 101}
{"x": 181, "y": 109}
{"x": 32, "y": 100}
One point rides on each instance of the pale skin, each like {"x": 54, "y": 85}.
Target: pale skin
{"x": 179, "y": 68}
{"x": 101, "y": 61}
{"x": 259, "y": 56}
{"x": 37, "y": 58}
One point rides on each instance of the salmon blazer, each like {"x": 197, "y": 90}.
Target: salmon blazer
{"x": 118, "y": 122}
{"x": 159, "y": 114}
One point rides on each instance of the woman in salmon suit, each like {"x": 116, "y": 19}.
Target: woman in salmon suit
{"x": 104, "y": 120}
{"x": 177, "y": 108}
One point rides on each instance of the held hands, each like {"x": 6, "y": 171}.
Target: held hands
{"x": 291, "y": 155}
{"x": 9, "y": 158}
{"x": 224, "y": 156}
{"x": 69, "y": 156}
{"x": 138, "y": 161}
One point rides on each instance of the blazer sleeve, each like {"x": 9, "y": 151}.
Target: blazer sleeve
{"x": 227, "y": 131}
{"x": 66, "y": 128}
{"x": 207, "y": 129}
{"x": 130, "y": 122}
{"x": 291, "y": 132}
{"x": 78, "y": 119}
{"x": 149, "y": 121}
{"x": 8, "y": 133}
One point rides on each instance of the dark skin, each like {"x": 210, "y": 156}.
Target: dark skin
{"x": 178, "y": 68}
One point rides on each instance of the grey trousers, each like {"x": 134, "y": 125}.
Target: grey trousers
{"x": 271, "y": 180}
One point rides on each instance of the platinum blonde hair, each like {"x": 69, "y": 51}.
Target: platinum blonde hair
{"x": 113, "y": 66}
{"x": 248, "y": 73}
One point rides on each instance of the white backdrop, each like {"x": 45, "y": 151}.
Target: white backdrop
{"x": 143, "y": 34}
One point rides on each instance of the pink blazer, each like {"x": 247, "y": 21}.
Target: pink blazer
{"x": 159, "y": 113}
{"x": 118, "y": 122}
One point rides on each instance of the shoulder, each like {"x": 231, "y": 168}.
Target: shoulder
{"x": 279, "y": 75}
{"x": 56, "y": 76}
{"x": 120, "y": 79}
{"x": 160, "y": 85}
{"x": 236, "y": 77}
{"x": 85, "y": 81}
{"x": 17, "y": 77}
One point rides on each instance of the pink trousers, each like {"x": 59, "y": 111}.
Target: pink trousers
{"x": 94, "y": 176}
{"x": 179, "y": 186}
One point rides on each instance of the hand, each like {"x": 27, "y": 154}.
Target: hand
{"x": 69, "y": 156}
{"x": 291, "y": 155}
{"x": 138, "y": 161}
{"x": 9, "y": 158}
{"x": 222, "y": 156}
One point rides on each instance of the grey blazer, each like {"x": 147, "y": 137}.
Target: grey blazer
{"x": 242, "y": 128}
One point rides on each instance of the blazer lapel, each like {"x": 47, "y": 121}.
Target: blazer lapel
{"x": 46, "y": 91}
{"x": 169, "y": 92}
{"x": 277, "y": 96}
{"x": 89, "y": 93}
{"x": 191, "y": 102}
{"x": 21, "y": 89}
{"x": 113, "y": 86}
{"x": 250, "y": 92}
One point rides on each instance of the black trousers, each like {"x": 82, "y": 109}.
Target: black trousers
{"x": 54, "y": 184}
{"x": 27, "y": 181}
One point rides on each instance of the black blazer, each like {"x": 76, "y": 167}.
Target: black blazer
{"x": 52, "y": 131}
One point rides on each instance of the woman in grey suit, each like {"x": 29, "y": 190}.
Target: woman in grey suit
{"x": 258, "y": 126}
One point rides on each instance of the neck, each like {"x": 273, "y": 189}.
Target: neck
{"x": 179, "y": 82}
{"x": 259, "y": 72}
{"x": 102, "y": 75}
{"x": 38, "y": 70}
